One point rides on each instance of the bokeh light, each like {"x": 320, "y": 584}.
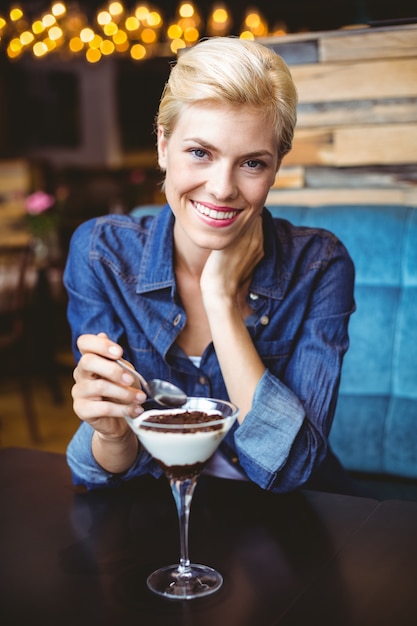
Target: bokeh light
{"x": 116, "y": 28}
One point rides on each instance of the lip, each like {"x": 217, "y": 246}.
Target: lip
{"x": 214, "y": 215}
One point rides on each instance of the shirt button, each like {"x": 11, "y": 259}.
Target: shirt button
{"x": 264, "y": 320}
{"x": 177, "y": 319}
{"x": 234, "y": 460}
{"x": 202, "y": 380}
{"x": 253, "y": 296}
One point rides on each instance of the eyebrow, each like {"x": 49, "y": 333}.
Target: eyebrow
{"x": 209, "y": 146}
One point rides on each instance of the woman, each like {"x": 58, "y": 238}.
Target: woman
{"x": 213, "y": 294}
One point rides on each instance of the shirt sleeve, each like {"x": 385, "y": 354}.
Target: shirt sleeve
{"x": 89, "y": 310}
{"x": 86, "y": 471}
{"x": 283, "y": 438}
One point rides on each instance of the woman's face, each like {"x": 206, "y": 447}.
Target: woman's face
{"x": 220, "y": 162}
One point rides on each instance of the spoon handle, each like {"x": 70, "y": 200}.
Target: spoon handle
{"x": 139, "y": 377}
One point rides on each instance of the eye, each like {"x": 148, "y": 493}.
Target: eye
{"x": 254, "y": 164}
{"x": 199, "y": 153}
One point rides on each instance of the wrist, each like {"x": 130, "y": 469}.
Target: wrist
{"x": 115, "y": 453}
{"x": 220, "y": 303}
{"x": 117, "y": 439}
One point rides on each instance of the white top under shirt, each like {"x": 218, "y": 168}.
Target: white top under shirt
{"x": 218, "y": 465}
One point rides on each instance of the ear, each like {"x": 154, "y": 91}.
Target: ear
{"x": 162, "y": 148}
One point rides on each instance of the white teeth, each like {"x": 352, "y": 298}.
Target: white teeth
{"x": 215, "y": 215}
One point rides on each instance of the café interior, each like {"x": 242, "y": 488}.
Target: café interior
{"x": 79, "y": 87}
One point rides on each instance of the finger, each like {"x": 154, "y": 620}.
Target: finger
{"x": 92, "y": 366}
{"x": 104, "y": 409}
{"x": 99, "y": 344}
{"x": 95, "y": 389}
{"x": 91, "y": 402}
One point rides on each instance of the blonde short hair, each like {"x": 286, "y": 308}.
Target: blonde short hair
{"x": 228, "y": 70}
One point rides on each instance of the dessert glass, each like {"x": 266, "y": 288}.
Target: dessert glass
{"x": 182, "y": 450}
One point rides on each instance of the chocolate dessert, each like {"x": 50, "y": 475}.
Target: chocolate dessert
{"x": 196, "y": 444}
{"x": 185, "y": 417}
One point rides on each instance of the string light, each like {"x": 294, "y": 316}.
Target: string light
{"x": 48, "y": 20}
{"x": 254, "y": 25}
{"x": 58, "y": 9}
{"x": 186, "y": 30}
{"x": 38, "y": 27}
{"x": 219, "y": 22}
{"x": 116, "y": 9}
{"x": 16, "y": 14}
{"x": 139, "y": 32}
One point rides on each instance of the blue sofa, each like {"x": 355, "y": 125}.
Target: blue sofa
{"x": 375, "y": 426}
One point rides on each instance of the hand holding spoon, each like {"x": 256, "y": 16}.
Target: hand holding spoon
{"x": 161, "y": 391}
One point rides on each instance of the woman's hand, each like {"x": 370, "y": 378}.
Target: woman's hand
{"x": 224, "y": 284}
{"x": 227, "y": 271}
{"x": 102, "y": 394}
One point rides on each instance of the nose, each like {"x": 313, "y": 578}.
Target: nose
{"x": 222, "y": 183}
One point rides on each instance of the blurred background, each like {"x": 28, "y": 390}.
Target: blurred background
{"x": 79, "y": 89}
{"x": 80, "y": 84}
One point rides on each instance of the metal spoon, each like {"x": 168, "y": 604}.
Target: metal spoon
{"x": 161, "y": 391}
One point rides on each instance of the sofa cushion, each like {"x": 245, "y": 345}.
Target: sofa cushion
{"x": 375, "y": 426}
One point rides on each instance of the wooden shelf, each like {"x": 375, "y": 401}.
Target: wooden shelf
{"x": 357, "y": 110}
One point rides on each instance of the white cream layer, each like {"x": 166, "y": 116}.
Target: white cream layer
{"x": 179, "y": 448}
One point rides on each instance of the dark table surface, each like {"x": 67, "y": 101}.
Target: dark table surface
{"x": 74, "y": 557}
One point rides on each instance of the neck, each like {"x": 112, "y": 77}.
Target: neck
{"x": 189, "y": 259}
{"x": 191, "y": 266}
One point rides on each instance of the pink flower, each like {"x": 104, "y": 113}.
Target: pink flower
{"x": 38, "y": 202}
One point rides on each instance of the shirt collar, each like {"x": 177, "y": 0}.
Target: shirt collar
{"x": 268, "y": 279}
{"x": 157, "y": 270}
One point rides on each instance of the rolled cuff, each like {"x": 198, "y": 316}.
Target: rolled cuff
{"x": 86, "y": 471}
{"x": 265, "y": 437}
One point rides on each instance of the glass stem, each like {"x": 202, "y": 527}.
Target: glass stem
{"x": 183, "y": 491}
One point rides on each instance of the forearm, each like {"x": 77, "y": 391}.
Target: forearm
{"x": 239, "y": 361}
{"x": 115, "y": 454}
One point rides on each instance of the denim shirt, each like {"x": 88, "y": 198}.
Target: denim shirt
{"x": 120, "y": 280}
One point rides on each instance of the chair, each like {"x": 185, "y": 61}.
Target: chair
{"x": 14, "y": 287}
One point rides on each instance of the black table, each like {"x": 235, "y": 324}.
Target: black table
{"x": 70, "y": 557}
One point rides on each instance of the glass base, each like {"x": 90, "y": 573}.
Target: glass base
{"x": 196, "y": 582}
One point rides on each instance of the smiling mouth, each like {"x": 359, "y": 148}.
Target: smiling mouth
{"x": 214, "y": 213}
